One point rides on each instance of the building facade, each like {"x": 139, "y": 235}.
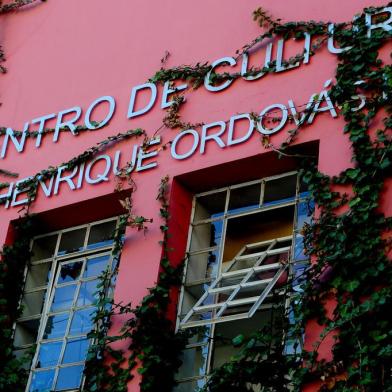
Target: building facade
{"x": 237, "y": 207}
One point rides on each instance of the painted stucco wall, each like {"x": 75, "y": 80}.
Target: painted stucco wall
{"x": 66, "y": 53}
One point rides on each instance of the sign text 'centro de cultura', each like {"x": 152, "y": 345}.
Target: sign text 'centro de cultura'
{"x": 186, "y": 143}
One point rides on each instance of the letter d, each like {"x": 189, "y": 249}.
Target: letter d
{"x": 135, "y": 90}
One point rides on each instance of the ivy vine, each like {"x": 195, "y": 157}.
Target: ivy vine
{"x": 153, "y": 345}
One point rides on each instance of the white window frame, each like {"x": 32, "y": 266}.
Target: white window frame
{"x": 57, "y": 260}
{"x": 184, "y": 322}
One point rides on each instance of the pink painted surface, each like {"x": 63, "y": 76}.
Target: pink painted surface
{"x": 66, "y": 52}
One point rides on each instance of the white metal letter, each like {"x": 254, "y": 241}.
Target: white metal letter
{"x": 152, "y": 88}
{"x": 69, "y": 123}
{"x": 282, "y": 123}
{"x": 230, "y": 137}
{"x": 19, "y": 144}
{"x": 41, "y": 129}
{"x": 178, "y": 138}
{"x": 227, "y": 83}
{"x": 214, "y": 136}
{"x": 145, "y": 155}
{"x": 386, "y": 25}
{"x": 100, "y": 177}
{"x": 112, "y": 107}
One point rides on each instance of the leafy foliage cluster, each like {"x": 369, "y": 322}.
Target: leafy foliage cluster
{"x": 153, "y": 344}
{"x": 9, "y": 7}
{"x": 349, "y": 241}
{"x": 13, "y": 377}
{"x": 350, "y": 238}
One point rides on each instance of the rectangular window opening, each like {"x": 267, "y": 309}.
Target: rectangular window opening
{"x": 58, "y": 302}
{"x": 245, "y": 252}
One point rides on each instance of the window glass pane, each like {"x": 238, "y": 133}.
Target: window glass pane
{"x": 82, "y": 322}
{"x": 206, "y": 235}
{"x": 194, "y": 361}
{"x": 56, "y": 326}
{"x": 210, "y": 206}
{"x": 241, "y": 263}
{"x": 38, "y": 275}
{"x": 95, "y": 266}
{"x": 201, "y": 335}
{"x": 25, "y": 355}
{"x": 256, "y": 247}
{"x": 101, "y": 235}
{"x": 303, "y": 189}
{"x": 299, "y": 248}
{"x": 69, "y": 377}
{"x": 62, "y": 341}
{"x": 87, "y": 293}
{"x": 304, "y": 213}
{"x": 49, "y": 354}
{"x": 202, "y": 266}
{"x": 299, "y": 275}
{"x": 244, "y": 198}
{"x": 292, "y": 346}
{"x": 280, "y": 190}
{"x": 44, "y": 248}
{"x": 72, "y": 241}
{"x": 70, "y": 272}
{"x": 42, "y": 381}
{"x": 63, "y": 298}
{"x": 33, "y": 303}
{"x": 190, "y": 386}
{"x": 258, "y": 227}
{"x": 76, "y": 350}
{"x": 226, "y": 332}
{"x": 26, "y": 332}
{"x": 192, "y": 294}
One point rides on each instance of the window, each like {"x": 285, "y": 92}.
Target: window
{"x": 58, "y": 301}
{"x": 244, "y": 243}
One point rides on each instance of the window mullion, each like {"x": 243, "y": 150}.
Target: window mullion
{"x": 44, "y": 315}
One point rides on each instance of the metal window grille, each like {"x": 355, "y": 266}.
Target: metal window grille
{"x": 238, "y": 284}
{"x": 222, "y": 290}
{"x": 58, "y": 300}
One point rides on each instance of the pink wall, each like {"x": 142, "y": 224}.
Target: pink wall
{"x": 69, "y": 52}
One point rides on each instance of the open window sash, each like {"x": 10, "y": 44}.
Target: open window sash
{"x": 243, "y": 287}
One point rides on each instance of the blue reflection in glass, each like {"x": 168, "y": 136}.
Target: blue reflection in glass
{"x": 63, "y": 298}
{"x": 42, "y": 381}
{"x": 292, "y": 346}
{"x": 87, "y": 293}
{"x": 299, "y": 248}
{"x": 279, "y": 201}
{"x": 293, "y": 342}
{"x": 216, "y": 232}
{"x": 212, "y": 264}
{"x": 70, "y": 272}
{"x": 69, "y": 377}
{"x": 100, "y": 244}
{"x": 95, "y": 266}
{"x": 49, "y": 354}
{"x": 304, "y": 213}
{"x": 299, "y": 276}
{"x": 56, "y": 326}
{"x": 242, "y": 209}
{"x": 76, "y": 350}
{"x": 81, "y": 322}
